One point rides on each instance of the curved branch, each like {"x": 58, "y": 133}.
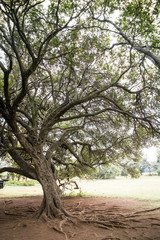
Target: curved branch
{"x": 5, "y": 36}
{"x": 25, "y": 114}
{"x": 57, "y": 10}
{"x": 155, "y": 59}
{"x": 86, "y": 114}
{"x": 128, "y": 90}
{"x": 76, "y": 155}
{"x": 13, "y": 46}
{"x": 23, "y": 37}
{"x": 55, "y": 115}
{"x": 16, "y": 170}
{"x": 25, "y": 125}
{"x": 45, "y": 43}
{"x": 22, "y": 164}
{"x": 4, "y": 69}
{"x": 115, "y": 44}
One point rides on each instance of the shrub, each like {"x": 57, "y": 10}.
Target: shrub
{"x": 158, "y": 171}
{"x": 20, "y": 183}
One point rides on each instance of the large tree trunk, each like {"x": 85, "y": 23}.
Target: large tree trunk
{"x": 51, "y": 205}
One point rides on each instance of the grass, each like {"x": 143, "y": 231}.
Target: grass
{"x": 144, "y": 188}
{"x": 20, "y": 191}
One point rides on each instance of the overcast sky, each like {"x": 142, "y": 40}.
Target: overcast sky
{"x": 150, "y": 154}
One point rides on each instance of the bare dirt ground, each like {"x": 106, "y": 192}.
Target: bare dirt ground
{"x": 107, "y": 218}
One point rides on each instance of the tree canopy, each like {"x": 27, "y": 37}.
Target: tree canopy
{"x": 79, "y": 85}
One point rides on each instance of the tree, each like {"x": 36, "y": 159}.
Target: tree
{"x": 68, "y": 100}
{"x": 157, "y": 163}
{"x": 145, "y": 166}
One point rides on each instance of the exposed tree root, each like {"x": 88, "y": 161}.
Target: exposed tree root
{"x": 7, "y": 202}
{"x": 108, "y": 219}
{"x": 155, "y": 224}
{"x": 104, "y": 218}
{"x": 55, "y": 224}
{"x": 109, "y": 238}
{"x": 133, "y": 220}
{"x": 59, "y": 228}
{"x": 157, "y": 219}
{"x": 108, "y": 225}
{"x": 15, "y": 211}
{"x": 148, "y": 210}
{"x": 12, "y": 214}
{"x": 104, "y": 227}
{"x": 59, "y": 224}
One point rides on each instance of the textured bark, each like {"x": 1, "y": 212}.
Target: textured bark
{"x": 51, "y": 205}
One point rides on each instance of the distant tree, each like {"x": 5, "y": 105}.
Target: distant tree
{"x": 77, "y": 90}
{"x": 158, "y": 156}
{"x": 157, "y": 164}
{"x": 145, "y": 166}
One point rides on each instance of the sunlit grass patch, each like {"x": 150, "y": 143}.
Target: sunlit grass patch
{"x": 144, "y": 188}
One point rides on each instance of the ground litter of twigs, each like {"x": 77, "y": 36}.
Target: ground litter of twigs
{"x": 105, "y": 218}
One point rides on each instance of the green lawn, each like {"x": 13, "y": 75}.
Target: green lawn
{"x": 144, "y": 188}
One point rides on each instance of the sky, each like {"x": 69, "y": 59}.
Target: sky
{"x": 150, "y": 153}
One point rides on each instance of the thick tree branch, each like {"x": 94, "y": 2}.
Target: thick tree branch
{"x": 130, "y": 91}
{"x": 55, "y": 115}
{"x": 155, "y": 59}
{"x": 22, "y": 163}
{"x": 116, "y": 44}
{"x": 57, "y": 10}
{"x": 23, "y": 37}
{"x": 17, "y": 171}
{"x": 4, "y": 69}
{"x": 68, "y": 146}
{"x": 25, "y": 125}
{"x": 16, "y": 51}
{"x": 4, "y": 35}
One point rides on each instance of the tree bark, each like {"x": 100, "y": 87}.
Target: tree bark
{"x": 51, "y": 205}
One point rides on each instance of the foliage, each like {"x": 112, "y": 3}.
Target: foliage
{"x": 152, "y": 168}
{"x": 105, "y": 172}
{"x": 20, "y": 183}
{"x": 77, "y": 90}
{"x": 145, "y": 166}
{"x": 133, "y": 172}
{"x": 158, "y": 171}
